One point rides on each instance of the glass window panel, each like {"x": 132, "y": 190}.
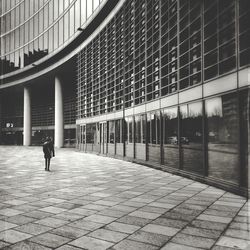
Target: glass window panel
{"x": 223, "y": 137}
{"x": 2, "y": 47}
{"x": 96, "y": 3}
{"x": 36, "y": 27}
{"x": 2, "y": 23}
{"x": 77, "y": 15}
{"x": 66, "y": 26}
{"x": 31, "y": 7}
{"x": 21, "y": 35}
{"x": 61, "y": 31}
{"x": 7, "y": 43}
{"x": 31, "y": 30}
{"x": 56, "y": 36}
{"x": 17, "y": 60}
{"x": 72, "y": 21}
{"x": 170, "y": 135}
{"x": 36, "y": 46}
{"x": 21, "y": 58}
{"x": 26, "y": 32}
{"x": 56, "y": 9}
{"x": 138, "y": 129}
{"x": 36, "y": 5}
{"x": 111, "y": 138}
{"x": 83, "y": 11}
{"x": 17, "y": 17}
{"x": 89, "y": 8}
{"x": 21, "y": 12}
{"x": 50, "y": 38}
{"x": 12, "y": 41}
{"x": 118, "y": 131}
{"x": 7, "y": 22}
{"x": 66, "y": 4}
{"x": 192, "y": 137}
{"x": 12, "y": 19}
{"x": 27, "y": 7}
{"x": 51, "y": 12}
{"x": 45, "y": 41}
{"x": 40, "y": 43}
{"x": 60, "y": 7}
{"x": 40, "y": 17}
{"x": 45, "y": 21}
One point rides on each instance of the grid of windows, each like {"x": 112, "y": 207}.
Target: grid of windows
{"x": 154, "y": 48}
{"x": 30, "y": 29}
{"x": 219, "y": 37}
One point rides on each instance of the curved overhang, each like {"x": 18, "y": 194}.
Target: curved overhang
{"x": 60, "y": 57}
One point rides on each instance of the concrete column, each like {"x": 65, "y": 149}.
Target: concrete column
{"x": 26, "y": 117}
{"x": 59, "y": 126}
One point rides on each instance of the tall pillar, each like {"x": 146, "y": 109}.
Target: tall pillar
{"x": 59, "y": 126}
{"x": 26, "y": 117}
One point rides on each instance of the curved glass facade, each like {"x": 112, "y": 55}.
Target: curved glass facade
{"x": 152, "y": 49}
{"x": 32, "y": 29}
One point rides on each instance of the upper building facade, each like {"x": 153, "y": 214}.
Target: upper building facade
{"x": 162, "y": 82}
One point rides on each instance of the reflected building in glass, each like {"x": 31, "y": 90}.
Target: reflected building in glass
{"x": 159, "y": 82}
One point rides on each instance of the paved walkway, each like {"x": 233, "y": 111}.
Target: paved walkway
{"x": 93, "y": 202}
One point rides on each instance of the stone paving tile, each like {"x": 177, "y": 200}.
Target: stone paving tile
{"x": 86, "y": 225}
{"x": 207, "y": 233}
{"x": 38, "y": 214}
{"x": 158, "y": 229}
{"x": 26, "y": 245}
{"x": 50, "y": 240}
{"x": 233, "y": 242}
{"x": 137, "y": 221}
{"x": 51, "y": 222}
{"x": 150, "y": 238}
{"x": 9, "y": 212}
{"x": 108, "y": 235}
{"x": 3, "y": 244}
{"x": 12, "y": 236}
{"x": 91, "y": 243}
{"x": 122, "y": 227}
{"x": 174, "y": 246}
{"x": 214, "y": 218}
{"x": 68, "y": 247}
{"x": 145, "y": 215}
{"x": 193, "y": 241}
{"x": 223, "y": 248}
{"x": 241, "y": 234}
{"x": 32, "y": 228}
{"x": 69, "y": 232}
{"x": 100, "y": 218}
{"x": 68, "y": 216}
{"x": 20, "y": 219}
{"x": 133, "y": 245}
{"x": 209, "y": 225}
{"x": 4, "y": 225}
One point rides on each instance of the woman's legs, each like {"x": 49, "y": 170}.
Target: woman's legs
{"x": 48, "y": 164}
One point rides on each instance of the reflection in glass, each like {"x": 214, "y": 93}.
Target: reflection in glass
{"x": 153, "y": 135}
{"x": 170, "y": 137}
{"x": 223, "y": 135}
{"x": 111, "y": 137}
{"x": 191, "y": 138}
